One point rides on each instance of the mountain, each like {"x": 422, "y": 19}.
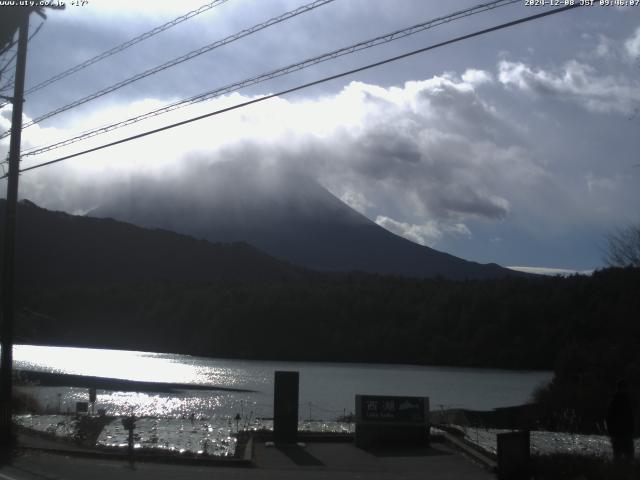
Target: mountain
{"x": 289, "y": 216}
{"x": 55, "y": 248}
{"x": 104, "y": 283}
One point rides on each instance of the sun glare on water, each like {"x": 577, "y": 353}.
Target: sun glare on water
{"x": 129, "y": 365}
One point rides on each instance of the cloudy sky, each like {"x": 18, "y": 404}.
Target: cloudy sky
{"x": 519, "y": 147}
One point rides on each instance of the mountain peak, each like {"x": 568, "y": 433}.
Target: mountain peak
{"x": 286, "y": 214}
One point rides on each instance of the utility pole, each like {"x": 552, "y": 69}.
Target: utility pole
{"x": 8, "y": 275}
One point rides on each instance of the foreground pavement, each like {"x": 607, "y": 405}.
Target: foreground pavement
{"x": 314, "y": 461}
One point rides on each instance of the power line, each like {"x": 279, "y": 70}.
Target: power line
{"x": 8, "y": 46}
{"x": 379, "y": 40}
{"x": 176, "y": 61}
{"x": 307, "y": 85}
{"x": 9, "y": 84}
{"x": 6, "y": 65}
{"x": 124, "y": 46}
{"x": 38, "y": 28}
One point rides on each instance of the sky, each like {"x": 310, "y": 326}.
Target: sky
{"x": 519, "y": 147}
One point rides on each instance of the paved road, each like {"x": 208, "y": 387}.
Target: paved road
{"x": 316, "y": 461}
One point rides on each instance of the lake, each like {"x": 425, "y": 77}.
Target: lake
{"x": 327, "y": 390}
{"x": 204, "y": 421}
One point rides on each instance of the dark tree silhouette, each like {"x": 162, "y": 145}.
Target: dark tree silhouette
{"x": 623, "y": 247}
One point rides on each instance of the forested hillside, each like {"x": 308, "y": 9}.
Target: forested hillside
{"x": 510, "y": 323}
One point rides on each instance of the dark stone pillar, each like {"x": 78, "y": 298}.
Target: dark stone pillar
{"x": 285, "y": 407}
{"x": 514, "y": 455}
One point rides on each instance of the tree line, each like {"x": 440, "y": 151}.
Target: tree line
{"x": 522, "y": 323}
{"x": 585, "y": 328}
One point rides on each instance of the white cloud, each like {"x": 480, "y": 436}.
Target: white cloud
{"x": 576, "y": 82}
{"x": 434, "y": 148}
{"x": 356, "y": 200}
{"x": 476, "y": 77}
{"x": 604, "y": 47}
{"x": 595, "y": 182}
{"x": 632, "y": 45}
{"x": 598, "y": 47}
{"x": 426, "y": 234}
{"x": 564, "y": 272}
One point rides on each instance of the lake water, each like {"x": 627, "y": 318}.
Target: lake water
{"x": 205, "y": 420}
{"x": 327, "y": 390}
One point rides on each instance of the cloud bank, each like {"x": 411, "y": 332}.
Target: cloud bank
{"x": 429, "y": 153}
{"x": 574, "y": 82}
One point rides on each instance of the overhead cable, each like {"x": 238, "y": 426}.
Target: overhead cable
{"x": 176, "y": 61}
{"x": 379, "y": 40}
{"x": 124, "y": 46}
{"x": 8, "y": 46}
{"x": 307, "y": 85}
{"x": 7, "y": 64}
{"x": 9, "y": 84}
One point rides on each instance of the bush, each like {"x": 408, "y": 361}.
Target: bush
{"x": 577, "y": 398}
{"x": 24, "y": 402}
{"x": 570, "y": 466}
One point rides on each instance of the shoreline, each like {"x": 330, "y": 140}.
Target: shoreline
{"x": 28, "y": 378}
{"x": 377, "y": 363}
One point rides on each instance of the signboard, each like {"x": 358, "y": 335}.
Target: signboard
{"x": 392, "y": 409}
{"x": 391, "y": 420}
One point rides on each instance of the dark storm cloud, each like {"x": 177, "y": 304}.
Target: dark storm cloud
{"x": 466, "y": 200}
{"x": 432, "y": 152}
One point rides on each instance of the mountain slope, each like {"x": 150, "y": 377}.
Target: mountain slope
{"x": 288, "y": 216}
{"x": 57, "y": 248}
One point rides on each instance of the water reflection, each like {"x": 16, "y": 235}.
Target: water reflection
{"x": 129, "y": 365}
{"x": 328, "y": 386}
{"x": 201, "y": 436}
{"x": 54, "y": 400}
